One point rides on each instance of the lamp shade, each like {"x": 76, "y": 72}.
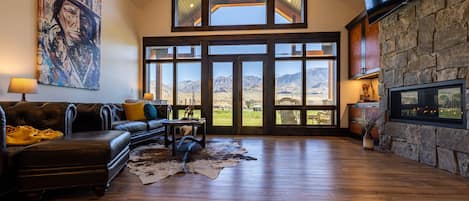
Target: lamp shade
{"x": 23, "y": 85}
{"x": 148, "y": 96}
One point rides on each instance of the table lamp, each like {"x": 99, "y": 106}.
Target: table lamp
{"x": 23, "y": 86}
{"x": 148, "y": 97}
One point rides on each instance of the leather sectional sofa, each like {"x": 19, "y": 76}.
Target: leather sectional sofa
{"x": 91, "y": 157}
{"x": 139, "y": 130}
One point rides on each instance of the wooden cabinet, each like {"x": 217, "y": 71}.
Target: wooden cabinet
{"x": 359, "y": 114}
{"x": 364, "y": 51}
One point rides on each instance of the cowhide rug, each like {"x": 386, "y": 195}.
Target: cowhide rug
{"x": 153, "y": 162}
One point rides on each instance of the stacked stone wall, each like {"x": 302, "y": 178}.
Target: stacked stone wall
{"x": 424, "y": 42}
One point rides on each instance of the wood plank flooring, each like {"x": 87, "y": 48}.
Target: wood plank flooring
{"x": 297, "y": 168}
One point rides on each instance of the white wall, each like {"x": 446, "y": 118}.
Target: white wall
{"x": 323, "y": 16}
{"x": 119, "y": 78}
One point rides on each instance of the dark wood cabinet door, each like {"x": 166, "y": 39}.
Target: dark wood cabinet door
{"x": 355, "y": 54}
{"x": 372, "y": 56}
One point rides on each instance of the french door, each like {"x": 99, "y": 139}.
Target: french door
{"x": 237, "y": 96}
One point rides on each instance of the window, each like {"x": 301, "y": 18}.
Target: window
{"x": 188, "y": 13}
{"x": 207, "y": 15}
{"x": 188, "y": 83}
{"x": 289, "y": 11}
{"x": 173, "y": 73}
{"x": 237, "y": 49}
{"x": 247, "y": 83}
{"x": 288, "y": 83}
{"x": 304, "y": 81}
{"x": 227, "y": 12}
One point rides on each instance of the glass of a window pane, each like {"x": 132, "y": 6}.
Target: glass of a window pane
{"x": 222, "y": 107}
{"x": 164, "y": 84}
{"x": 289, "y": 11}
{"x": 288, "y": 50}
{"x": 160, "y": 81}
{"x": 188, "y": 83}
{"x": 188, "y": 13}
{"x": 237, "y": 49}
{"x": 320, "y": 82}
{"x": 188, "y": 52}
{"x": 288, "y": 83}
{"x": 197, "y": 114}
{"x": 160, "y": 52}
{"x": 321, "y": 49}
{"x": 246, "y": 12}
{"x": 319, "y": 117}
{"x": 287, "y": 117}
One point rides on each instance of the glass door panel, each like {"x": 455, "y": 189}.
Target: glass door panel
{"x": 252, "y": 93}
{"x": 222, "y": 102}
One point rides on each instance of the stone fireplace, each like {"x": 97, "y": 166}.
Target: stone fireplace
{"x": 437, "y": 104}
{"x": 423, "y": 44}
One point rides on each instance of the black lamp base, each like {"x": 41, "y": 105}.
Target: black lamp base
{"x": 23, "y": 97}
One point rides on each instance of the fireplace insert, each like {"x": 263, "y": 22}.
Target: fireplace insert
{"x": 439, "y": 104}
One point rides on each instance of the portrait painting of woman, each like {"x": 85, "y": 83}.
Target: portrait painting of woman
{"x": 69, "y": 43}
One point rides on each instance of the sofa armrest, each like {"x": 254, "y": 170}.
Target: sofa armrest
{"x": 92, "y": 117}
{"x": 57, "y": 116}
{"x": 3, "y": 145}
{"x": 163, "y": 111}
{"x": 3, "y": 131}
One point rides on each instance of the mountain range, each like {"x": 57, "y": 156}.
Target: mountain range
{"x": 316, "y": 83}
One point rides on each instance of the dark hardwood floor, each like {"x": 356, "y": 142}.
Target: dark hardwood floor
{"x": 297, "y": 168}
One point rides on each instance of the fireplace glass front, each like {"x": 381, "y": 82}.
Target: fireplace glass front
{"x": 436, "y": 104}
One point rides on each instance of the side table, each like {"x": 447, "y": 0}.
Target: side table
{"x": 171, "y": 125}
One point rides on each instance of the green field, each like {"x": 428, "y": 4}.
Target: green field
{"x": 254, "y": 118}
{"x": 225, "y": 118}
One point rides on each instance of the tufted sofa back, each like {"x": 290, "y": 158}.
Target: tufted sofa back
{"x": 57, "y": 116}
{"x": 92, "y": 117}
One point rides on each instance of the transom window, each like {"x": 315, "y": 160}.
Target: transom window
{"x": 190, "y": 15}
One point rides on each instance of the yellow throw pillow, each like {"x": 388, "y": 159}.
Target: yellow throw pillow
{"x": 134, "y": 111}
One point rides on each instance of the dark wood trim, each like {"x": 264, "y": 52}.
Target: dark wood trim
{"x": 173, "y": 14}
{"x": 270, "y": 20}
{"x": 144, "y": 68}
{"x": 205, "y": 90}
{"x": 205, "y": 14}
{"x": 305, "y": 13}
{"x": 270, "y": 12}
{"x": 309, "y": 37}
{"x": 358, "y": 19}
{"x": 338, "y": 82}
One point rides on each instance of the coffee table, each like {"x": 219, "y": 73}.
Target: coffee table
{"x": 171, "y": 125}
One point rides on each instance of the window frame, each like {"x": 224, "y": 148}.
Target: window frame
{"x": 205, "y": 26}
{"x": 270, "y": 39}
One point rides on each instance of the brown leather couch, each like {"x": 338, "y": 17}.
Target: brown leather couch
{"x": 140, "y": 131}
{"x": 87, "y": 158}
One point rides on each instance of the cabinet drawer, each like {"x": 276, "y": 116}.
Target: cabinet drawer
{"x": 355, "y": 113}
{"x": 355, "y": 127}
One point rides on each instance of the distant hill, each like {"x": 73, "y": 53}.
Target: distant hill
{"x": 317, "y": 83}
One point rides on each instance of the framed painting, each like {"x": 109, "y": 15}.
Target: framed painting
{"x": 69, "y": 43}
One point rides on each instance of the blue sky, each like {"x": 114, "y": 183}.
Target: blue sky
{"x": 235, "y": 16}
{"x": 243, "y": 15}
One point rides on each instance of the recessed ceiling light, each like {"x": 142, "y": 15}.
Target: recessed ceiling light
{"x": 192, "y": 5}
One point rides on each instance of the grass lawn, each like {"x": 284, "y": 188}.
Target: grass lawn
{"x": 225, "y": 118}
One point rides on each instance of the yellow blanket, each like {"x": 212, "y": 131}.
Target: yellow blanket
{"x": 26, "y": 135}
